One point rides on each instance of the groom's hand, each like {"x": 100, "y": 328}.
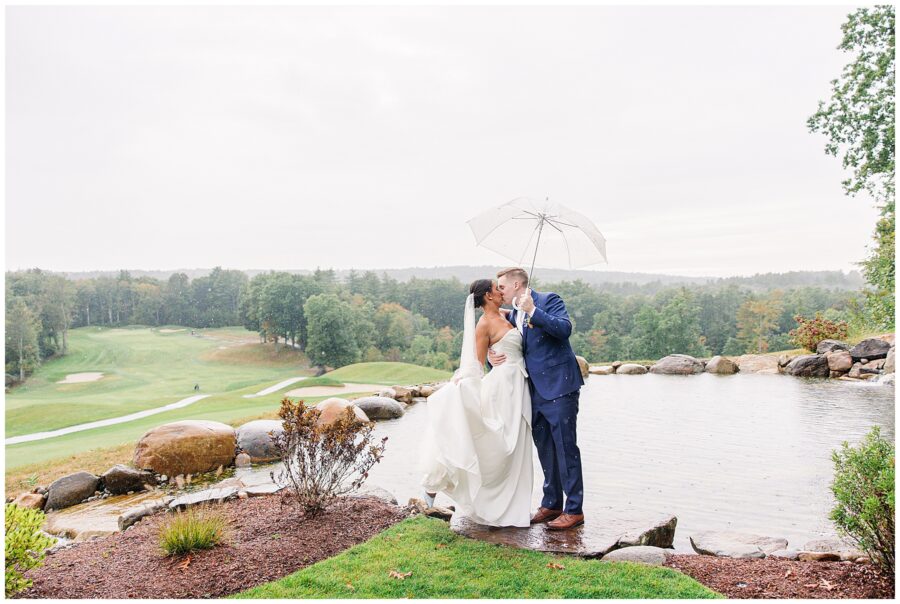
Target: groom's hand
{"x": 527, "y": 303}
{"x": 495, "y": 359}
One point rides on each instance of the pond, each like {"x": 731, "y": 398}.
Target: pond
{"x": 739, "y": 452}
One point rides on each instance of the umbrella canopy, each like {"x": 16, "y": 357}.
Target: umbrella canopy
{"x": 545, "y": 232}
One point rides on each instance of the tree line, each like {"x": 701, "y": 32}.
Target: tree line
{"x": 367, "y": 317}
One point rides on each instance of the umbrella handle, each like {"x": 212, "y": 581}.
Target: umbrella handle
{"x": 536, "y": 244}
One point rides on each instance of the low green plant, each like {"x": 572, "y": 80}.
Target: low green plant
{"x": 864, "y": 490}
{"x": 24, "y": 546}
{"x": 809, "y": 332}
{"x": 197, "y": 528}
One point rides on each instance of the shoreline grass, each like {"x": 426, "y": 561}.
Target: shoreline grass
{"x": 442, "y": 564}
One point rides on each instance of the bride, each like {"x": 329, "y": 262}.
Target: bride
{"x": 477, "y": 446}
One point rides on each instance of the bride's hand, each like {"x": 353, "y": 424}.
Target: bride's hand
{"x": 495, "y": 359}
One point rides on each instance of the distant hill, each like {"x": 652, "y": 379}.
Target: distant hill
{"x": 851, "y": 280}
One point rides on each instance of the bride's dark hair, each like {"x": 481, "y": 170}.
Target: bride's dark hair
{"x": 479, "y": 288}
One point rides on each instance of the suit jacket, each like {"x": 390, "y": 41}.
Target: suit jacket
{"x": 549, "y": 357}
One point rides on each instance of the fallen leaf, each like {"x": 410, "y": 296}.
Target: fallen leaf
{"x": 440, "y": 545}
{"x": 788, "y": 573}
{"x": 184, "y": 565}
{"x": 810, "y": 585}
{"x": 350, "y": 587}
{"x": 555, "y": 565}
{"x": 827, "y": 585}
{"x": 398, "y": 575}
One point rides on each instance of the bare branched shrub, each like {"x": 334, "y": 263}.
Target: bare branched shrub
{"x": 323, "y": 462}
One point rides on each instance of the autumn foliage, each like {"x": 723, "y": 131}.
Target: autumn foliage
{"x": 810, "y": 332}
{"x": 324, "y": 461}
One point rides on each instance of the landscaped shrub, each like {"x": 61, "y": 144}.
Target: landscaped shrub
{"x": 24, "y": 546}
{"x": 864, "y": 489}
{"x": 810, "y": 332}
{"x": 323, "y": 462}
{"x": 197, "y": 528}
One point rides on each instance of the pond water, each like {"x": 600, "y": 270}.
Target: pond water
{"x": 739, "y": 452}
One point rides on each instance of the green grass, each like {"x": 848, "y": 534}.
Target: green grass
{"x": 445, "y": 565}
{"x": 145, "y": 368}
{"x": 387, "y": 373}
{"x": 195, "y": 529}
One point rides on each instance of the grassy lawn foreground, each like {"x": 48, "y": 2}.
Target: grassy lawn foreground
{"x": 445, "y": 565}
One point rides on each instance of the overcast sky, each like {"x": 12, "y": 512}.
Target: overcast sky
{"x": 296, "y": 137}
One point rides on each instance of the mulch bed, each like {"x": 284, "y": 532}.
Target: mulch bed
{"x": 779, "y": 578}
{"x": 267, "y": 541}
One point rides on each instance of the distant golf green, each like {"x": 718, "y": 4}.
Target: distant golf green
{"x": 147, "y": 368}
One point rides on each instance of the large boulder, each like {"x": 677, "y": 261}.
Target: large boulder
{"x": 659, "y": 533}
{"x": 376, "y": 492}
{"x": 70, "y": 490}
{"x": 32, "y": 501}
{"x": 379, "y": 407}
{"x": 333, "y": 408}
{"x": 722, "y": 365}
{"x": 583, "y": 366}
{"x": 121, "y": 479}
{"x": 631, "y": 369}
{"x": 186, "y": 447}
{"x": 729, "y": 544}
{"x": 758, "y": 363}
{"x": 255, "y": 439}
{"x": 889, "y": 361}
{"x": 830, "y": 346}
{"x": 403, "y": 394}
{"x": 809, "y": 365}
{"x": 678, "y": 364}
{"x": 602, "y": 370}
{"x": 872, "y": 348}
{"x": 839, "y": 360}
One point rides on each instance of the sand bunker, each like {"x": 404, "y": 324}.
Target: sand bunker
{"x": 77, "y": 378}
{"x": 334, "y": 390}
{"x": 170, "y": 330}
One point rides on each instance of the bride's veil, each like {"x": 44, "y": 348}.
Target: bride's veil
{"x": 468, "y": 362}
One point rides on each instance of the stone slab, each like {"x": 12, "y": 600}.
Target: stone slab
{"x": 214, "y": 495}
{"x": 601, "y": 533}
{"x": 643, "y": 554}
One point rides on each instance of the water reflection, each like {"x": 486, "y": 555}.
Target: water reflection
{"x": 742, "y": 452}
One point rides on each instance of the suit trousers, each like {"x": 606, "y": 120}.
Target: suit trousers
{"x": 553, "y": 429}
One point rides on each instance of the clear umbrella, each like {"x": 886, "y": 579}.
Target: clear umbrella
{"x": 518, "y": 228}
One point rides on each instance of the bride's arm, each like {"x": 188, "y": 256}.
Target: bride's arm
{"x": 482, "y": 341}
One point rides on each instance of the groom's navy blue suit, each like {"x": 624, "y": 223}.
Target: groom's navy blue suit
{"x": 555, "y": 382}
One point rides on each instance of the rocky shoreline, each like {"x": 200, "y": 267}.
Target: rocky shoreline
{"x": 870, "y": 360}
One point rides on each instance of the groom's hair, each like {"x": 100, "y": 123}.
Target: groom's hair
{"x": 516, "y": 274}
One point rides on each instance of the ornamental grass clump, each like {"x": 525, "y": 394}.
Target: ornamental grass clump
{"x": 323, "y": 461}
{"x": 195, "y": 529}
{"x": 810, "y": 332}
{"x": 864, "y": 490}
{"x": 24, "y": 547}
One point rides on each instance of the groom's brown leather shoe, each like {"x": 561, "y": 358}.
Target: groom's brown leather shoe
{"x": 566, "y": 521}
{"x": 545, "y": 514}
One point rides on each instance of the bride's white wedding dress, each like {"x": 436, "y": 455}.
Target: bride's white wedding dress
{"x": 477, "y": 446}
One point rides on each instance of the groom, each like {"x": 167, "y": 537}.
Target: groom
{"x": 554, "y": 380}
